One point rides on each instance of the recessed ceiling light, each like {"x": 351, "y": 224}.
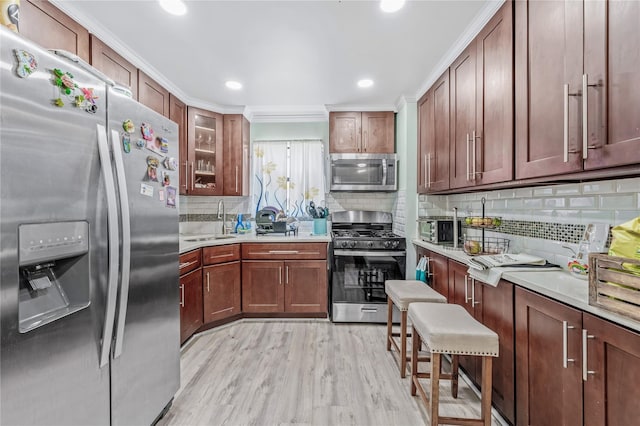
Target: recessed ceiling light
{"x": 366, "y": 82}
{"x": 174, "y": 7}
{"x": 391, "y": 6}
{"x": 233, "y": 85}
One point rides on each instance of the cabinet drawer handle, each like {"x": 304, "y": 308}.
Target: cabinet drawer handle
{"x": 565, "y": 344}
{"x": 236, "y": 179}
{"x": 424, "y": 167}
{"x": 193, "y": 176}
{"x": 207, "y": 282}
{"x": 283, "y": 252}
{"x": 286, "y": 278}
{"x": 280, "y": 274}
{"x": 473, "y": 156}
{"x": 182, "y": 295}
{"x": 368, "y": 310}
{"x": 585, "y": 117}
{"x": 187, "y": 264}
{"x": 585, "y": 370}
{"x": 217, "y": 256}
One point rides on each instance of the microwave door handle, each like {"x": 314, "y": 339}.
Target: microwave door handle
{"x": 384, "y": 171}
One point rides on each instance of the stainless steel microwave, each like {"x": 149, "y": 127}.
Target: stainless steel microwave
{"x": 363, "y": 172}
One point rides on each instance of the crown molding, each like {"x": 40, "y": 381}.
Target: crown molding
{"x": 404, "y": 100}
{"x": 481, "y": 19}
{"x": 365, "y": 108}
{"x": 137, "y": 60}
{"x": 286, "y": 113}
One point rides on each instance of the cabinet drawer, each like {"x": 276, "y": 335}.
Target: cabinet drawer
{"x": 287, "y": 251}
{"x": 220, "y": 254}
{"x": 190, "y": 261}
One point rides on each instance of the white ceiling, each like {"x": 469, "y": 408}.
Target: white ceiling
{"x": 289, "y": 55}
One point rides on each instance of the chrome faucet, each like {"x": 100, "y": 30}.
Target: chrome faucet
{"x": 222, "y": 215}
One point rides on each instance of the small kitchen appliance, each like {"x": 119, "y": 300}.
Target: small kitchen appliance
{"x": 438, "y": 230}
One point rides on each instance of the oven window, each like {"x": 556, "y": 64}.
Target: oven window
{"x": 359, "y": 279}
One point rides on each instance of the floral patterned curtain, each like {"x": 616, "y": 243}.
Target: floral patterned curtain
{"x": 288, "y": 175}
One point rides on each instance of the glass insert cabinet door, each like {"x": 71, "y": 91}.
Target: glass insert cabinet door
{"x": 205, "y": 152}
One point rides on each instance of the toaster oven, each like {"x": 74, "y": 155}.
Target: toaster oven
{"x": 438, "y": 231}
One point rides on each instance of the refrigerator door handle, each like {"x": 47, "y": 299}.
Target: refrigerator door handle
{"x": 113, "y": 239}
{"x": 126, "y": 243}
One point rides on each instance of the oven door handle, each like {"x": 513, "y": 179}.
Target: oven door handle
{"x": 367, "y": 253}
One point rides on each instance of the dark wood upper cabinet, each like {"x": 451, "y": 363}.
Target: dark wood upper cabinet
{"x": 345, "y": 132}
{"x": 378, "y": 132}
{"x": 494, "y": 99}
{"x": 433, "y": 137}
{"x": 43, "y": 23}
{"x": 548, "y": 42}
{"x": 481, "y": 121}
{"x": 236, "y": 155}
{"x": 113, "y": 65}
{"x": 204, "y": 153}
{"x": 612, "y": 73}
{"x": 362, "y": 132}
{"x": 178, "y": 114}
{"x": 462, "y": 119}
{"x": 152, "y": 94}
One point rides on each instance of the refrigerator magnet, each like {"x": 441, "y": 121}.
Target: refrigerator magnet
{"x": 166, "y": 179}
{"x": 170, "y": 163}
{"x": 27, "y": 63}
{"x": 126, "y": 143}
{"x": 128, "y": 126}
{"x": 152, "y": 168}
{"x": 172, "y": 192}
{"x": 140, "y": 143}
{"x": 162, "y": 144}
{"x": 146, "y": 190}
{"x": 161, "y": 194}
{"x": 147, "y": 132}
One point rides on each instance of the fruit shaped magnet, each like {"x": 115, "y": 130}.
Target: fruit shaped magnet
{"x": 152, "y": 168}
{"x": 126, "y": 143}
{"x": 27, "y": 63}
{"x": 170, "y": 163}
{"x": 147, "y": 132}
{"x": 89, "y": 100}
{"x": 128, "y": 126}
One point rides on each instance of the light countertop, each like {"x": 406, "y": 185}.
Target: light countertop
{"x": 555, "y": 284}
{"x": 206, "y": 240}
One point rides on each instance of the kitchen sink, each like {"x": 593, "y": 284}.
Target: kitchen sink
{"x": 209, "y": 238}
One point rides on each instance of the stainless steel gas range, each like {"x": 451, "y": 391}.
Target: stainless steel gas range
{"x": 365, "y": 254}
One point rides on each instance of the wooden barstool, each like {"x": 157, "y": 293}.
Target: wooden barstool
{"x": 450, "y": 329}
{"x": 401, "y": 293}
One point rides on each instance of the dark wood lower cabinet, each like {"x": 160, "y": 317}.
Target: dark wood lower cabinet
{"x": 613, "y": 373}
{"x": 306, "y": 286}
{"x": 548, "y": 378}
{"x": 439, "y": 270}
{"x": 190, "y": 303}
{"x": 221, "y": 291}
{"x": 296, "y": 286}
{"x": 493, "y": 307}
{"x": 262, "y": 286}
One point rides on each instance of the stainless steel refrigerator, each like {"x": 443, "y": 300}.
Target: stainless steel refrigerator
{"x": 89, "y": 303}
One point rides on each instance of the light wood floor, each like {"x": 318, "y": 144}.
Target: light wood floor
{"x": 302, "y": 373}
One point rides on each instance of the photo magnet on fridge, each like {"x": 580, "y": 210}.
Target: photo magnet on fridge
{"x": 172, "y": 192}
{"x": 146, "y": 190}
{"x": 166, "y": 179}
{"x": 152, "y": 168}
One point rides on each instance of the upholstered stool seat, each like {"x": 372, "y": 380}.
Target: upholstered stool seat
{"x": 402, "y": 293}
{"x": 450, "y": 329}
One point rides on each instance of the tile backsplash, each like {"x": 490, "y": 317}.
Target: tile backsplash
{"x": 547, "y": 221}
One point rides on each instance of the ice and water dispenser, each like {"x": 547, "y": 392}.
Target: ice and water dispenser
{"x": 54, "y": 272}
